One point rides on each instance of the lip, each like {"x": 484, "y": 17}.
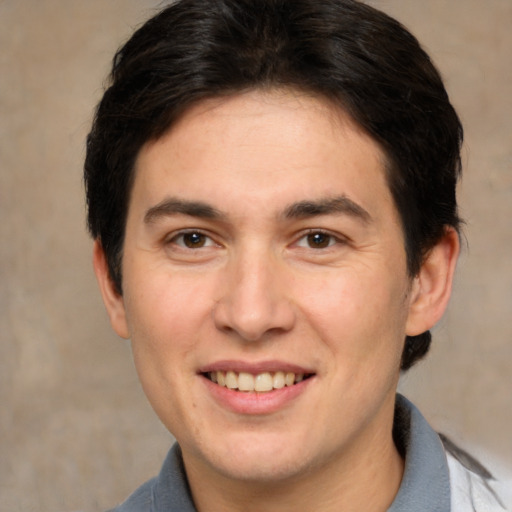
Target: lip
{"x": 254, "y": 367}
{"x": 255, "y": 403}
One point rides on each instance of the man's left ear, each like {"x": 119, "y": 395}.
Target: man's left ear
{"x": 431, "y": 288}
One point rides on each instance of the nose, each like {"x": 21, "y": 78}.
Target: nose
{"x": 254, "y": 300}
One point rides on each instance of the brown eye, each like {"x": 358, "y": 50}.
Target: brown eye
{"x": 319, "y": 240}
{"x": 192, "y": 240}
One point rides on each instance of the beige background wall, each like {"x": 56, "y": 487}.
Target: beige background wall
{"x": 75, "y": 430}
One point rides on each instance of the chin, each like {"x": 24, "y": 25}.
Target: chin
{"x": 264, "y": 470}
{"x": 257, "y": 458}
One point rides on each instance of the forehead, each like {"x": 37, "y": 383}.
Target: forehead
{"x": 277, "y": 147}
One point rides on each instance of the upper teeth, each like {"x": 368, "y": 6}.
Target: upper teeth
{"x": 265, "y": 381}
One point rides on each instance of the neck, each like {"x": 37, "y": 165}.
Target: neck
{"x": 366, "y": 477}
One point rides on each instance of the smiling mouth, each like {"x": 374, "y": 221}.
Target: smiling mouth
{"x": 261, "y": 383}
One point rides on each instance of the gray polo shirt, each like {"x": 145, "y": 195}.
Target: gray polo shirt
{"x": 425, "y": 485}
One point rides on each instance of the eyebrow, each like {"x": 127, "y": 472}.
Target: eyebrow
{"x": 341, "y": 204}
{"x": 299, "y": 210}
{"x": 172, "y": 206}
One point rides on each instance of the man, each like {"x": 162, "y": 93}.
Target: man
{"x": 271, "y": 190}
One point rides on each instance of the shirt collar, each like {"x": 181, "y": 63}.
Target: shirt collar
{"x": 426, "y": 483}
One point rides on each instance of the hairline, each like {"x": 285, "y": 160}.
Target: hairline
{"x": 335, "y": 106}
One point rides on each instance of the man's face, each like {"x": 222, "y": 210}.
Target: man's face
{"x": 263, "y": 246}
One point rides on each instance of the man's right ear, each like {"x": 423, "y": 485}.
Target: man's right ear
{"x": 113, "y": 301}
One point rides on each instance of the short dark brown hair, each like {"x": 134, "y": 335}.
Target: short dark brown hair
{"x": 343, "y": 50}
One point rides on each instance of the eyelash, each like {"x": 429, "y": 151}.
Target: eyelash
{"x": 332, "y": 239}
{"x": 209, "y": 242}
{"x": 182, "y": 234}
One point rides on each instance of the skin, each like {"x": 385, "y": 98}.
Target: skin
{"x": 266, "y": 280}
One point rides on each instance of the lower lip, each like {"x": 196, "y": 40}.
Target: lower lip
{"x": 255, "y": 403}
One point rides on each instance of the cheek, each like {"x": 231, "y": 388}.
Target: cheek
{"x": 360, "y": 318}
{"x": 166, "y": 317}
{"x": 164, "y": 303}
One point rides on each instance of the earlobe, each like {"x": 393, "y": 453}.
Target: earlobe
{"x": 431, "y": 288}
{"x": 113, "y": 301}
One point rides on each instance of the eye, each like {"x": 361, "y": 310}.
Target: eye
{"x": 317, "y": 240}
{"x": 192, "y": 240}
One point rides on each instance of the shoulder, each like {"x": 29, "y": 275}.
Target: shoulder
{"x": 139, "y": 501}
{"x": 473, "y": 487}
{"x": 439, "y": 475}
{"x": 167, "y": 492}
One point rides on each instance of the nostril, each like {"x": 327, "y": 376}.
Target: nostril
{"x": 253, "y": 322}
